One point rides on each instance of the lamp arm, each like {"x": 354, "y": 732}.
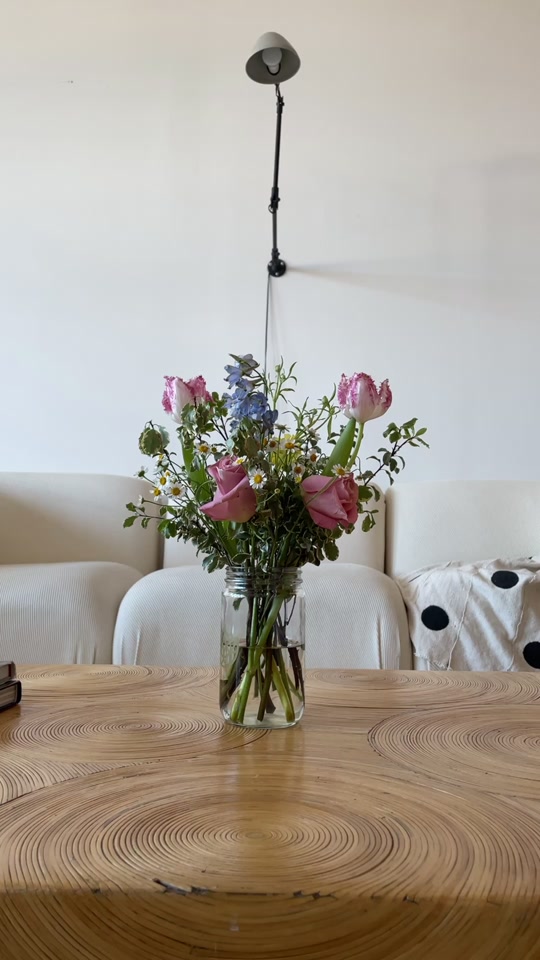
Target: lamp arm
{"x": 277, "y": 266}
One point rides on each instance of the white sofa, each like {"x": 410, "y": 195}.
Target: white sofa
{"x": 66, "y": 564}
{"x": 77, "y": 588}
{"x": 354, "y": 612}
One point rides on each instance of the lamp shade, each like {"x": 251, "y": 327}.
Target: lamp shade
{"x": 273, "y": 60}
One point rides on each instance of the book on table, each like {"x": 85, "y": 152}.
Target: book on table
{"x": 8, "y": 670}
{"x": 10, "y": 694}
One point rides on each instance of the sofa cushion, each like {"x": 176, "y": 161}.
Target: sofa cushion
{"x": 61, "y": 612}
{"x": 354, "y": 618}
{"x": 475, "y": 616}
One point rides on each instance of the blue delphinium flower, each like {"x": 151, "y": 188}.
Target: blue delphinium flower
{"x": 235, "y": 374}
{"x": 245, "y": 402}
{"x": 244, "y": 368}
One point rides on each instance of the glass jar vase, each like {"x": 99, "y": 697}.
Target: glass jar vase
{"x": 262, "y": 647}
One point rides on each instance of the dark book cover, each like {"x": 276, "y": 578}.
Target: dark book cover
{"x": 7, "y": 670}
{"x": 10, "y": 694}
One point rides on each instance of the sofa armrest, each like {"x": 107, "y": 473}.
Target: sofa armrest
{"x": 355, "y": 618}
{"x": 61, "y": 612}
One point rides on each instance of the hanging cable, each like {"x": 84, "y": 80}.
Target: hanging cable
{"x": 267, "y": 322}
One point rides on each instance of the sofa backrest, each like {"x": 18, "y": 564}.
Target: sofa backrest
{"x": 357, "y": 547}
{"x": 429, "y": 523}
{"x": 61, "y": 517}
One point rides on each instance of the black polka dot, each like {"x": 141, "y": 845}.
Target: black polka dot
{"x": 531, "y": 652}
{"x": 505, "y": 579}
{"x": 435, "y": 618}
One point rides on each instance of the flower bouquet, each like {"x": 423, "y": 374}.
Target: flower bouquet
{"x": 262, "y": 486}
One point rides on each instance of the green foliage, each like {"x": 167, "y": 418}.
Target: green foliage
{"x": 153, "y": 440}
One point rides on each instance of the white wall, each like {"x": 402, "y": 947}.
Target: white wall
{"x": 135, "y": 170}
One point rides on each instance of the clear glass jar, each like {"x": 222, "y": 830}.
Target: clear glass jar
{"x": 262, "y": 648}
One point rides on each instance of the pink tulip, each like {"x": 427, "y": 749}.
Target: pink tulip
{"x": 331, "y": 501}
{"x": 234, "y": 498}
{"x": 178, "y": 394}
{"x": 359, "y": 398}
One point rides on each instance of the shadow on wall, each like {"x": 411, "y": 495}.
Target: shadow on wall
{"x": 483, "y": 248}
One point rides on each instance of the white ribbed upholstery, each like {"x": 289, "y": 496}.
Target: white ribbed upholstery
{"x": 357, "y": 547}
{"x": 55, "y": 518}
{"x": 355, "y": 618}
{"x": 430, "y": 523}
{"x": 61, "y": 612}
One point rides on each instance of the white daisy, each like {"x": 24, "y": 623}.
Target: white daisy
{"x": 257, "y": 478}
{"x": 157, "y": 493}
{"x": 298, "y": 472}
{"x": 240, "y": 460}
{"x": 140, "y": 501}
{"x": 340, "y": 471}
{"x": 203, "y": 447}
{"x": 272, "y": 444}
{"x": 288, "y": 442}
{"x": 313, "y": 456}
{"x": 174, "y": 489}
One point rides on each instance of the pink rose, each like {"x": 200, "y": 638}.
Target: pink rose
{"x": 178, "y": 394}
{"x": 359, "y": 398}
{"x": 331, "y": 501}
{"x": 234, "y": 499}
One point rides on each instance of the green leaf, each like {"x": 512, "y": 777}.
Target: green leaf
{"x": 129, "y": 521}
{"x": 197, "y": 475}
{"x": 331, "y": 550}
{"x": 132, "y": 507}
{"x": 153, "y": 440}
{"x": 251, "y": 447}
{"x": 367, "y": 523}
{"x": 211, "y": 563}
{"x": 342, "y": 450}
{"x": 145, "y": 521}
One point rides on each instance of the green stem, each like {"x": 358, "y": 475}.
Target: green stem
{"x": 284, "y": 676}
{"x": 283, "y": 691}
{"x": 266, "y": 688}
{"x": 255, "y": 652}
{"x": 356, "y": 451}
{"x": 239, "y": 706}
{"x": 292, "y": 688}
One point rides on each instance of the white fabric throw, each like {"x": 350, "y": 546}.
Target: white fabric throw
{"x": 475, "y": 616}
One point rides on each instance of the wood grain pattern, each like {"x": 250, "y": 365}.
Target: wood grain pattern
{"x": 400, "y": 820}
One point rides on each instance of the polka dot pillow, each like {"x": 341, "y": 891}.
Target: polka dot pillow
{"x": 475, "y": 616}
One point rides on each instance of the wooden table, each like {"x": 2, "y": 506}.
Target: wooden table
{"x": 401, "y": 819}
